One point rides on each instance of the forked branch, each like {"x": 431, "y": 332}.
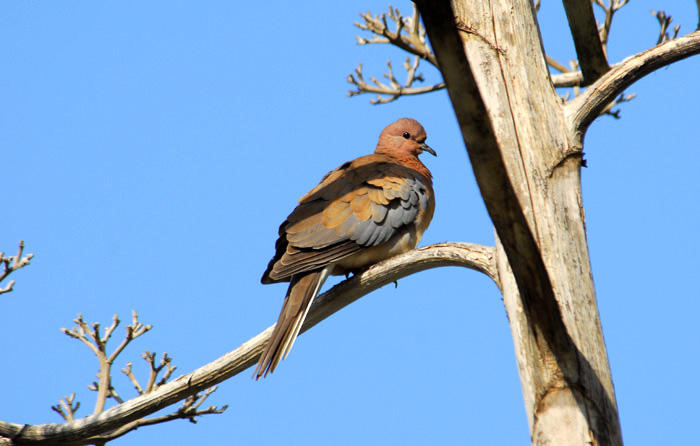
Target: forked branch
{"x": 588, "y": 42}
{"x": 92, "y": 337}
{"x": 394, "y": 89}
{"x": 406, "y": 33}
{"x": 12, "y": 264}
{"x": 609, "y": 10}
{"x": 664, "y": 22}
{"x": 97, "y": 342}
{"x": 582, "y": 110}
{"x": 114, "y": 420}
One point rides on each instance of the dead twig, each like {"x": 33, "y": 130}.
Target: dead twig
{"x": 609, "y": 9}
{"x": 159, "y": 374}
{"x": 12, "y": 264}
{"x": 607, "y": 110}
{"x": 394, "y": 89}
{"x": 189, "y": 410}
{"x": 556, "y": 65}
{"x": 664, "y": 22}
{"x": 97, "y": 342}
{"x": 406, "y": 33}
{"x": 66, "y": 408}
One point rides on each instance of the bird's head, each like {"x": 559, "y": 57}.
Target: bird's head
{"x": 403, "y": 137}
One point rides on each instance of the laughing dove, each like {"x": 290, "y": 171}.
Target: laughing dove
{"x": 365, "y": 211}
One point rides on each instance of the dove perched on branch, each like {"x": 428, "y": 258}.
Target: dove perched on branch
{"x": 365, "y": 211}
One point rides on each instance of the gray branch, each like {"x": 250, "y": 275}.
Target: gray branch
{"x": 476, "y": 257}
{"x": 582, "y": 110}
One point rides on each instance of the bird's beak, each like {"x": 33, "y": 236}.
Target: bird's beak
{"x": 426, "y": 148}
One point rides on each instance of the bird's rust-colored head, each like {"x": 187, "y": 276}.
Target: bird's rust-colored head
{"x": 403, "y": 137}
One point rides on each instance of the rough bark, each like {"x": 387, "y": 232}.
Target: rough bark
{"x": 527, "y": 165}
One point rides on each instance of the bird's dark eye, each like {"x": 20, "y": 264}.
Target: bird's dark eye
{"x": 406, "y": 135}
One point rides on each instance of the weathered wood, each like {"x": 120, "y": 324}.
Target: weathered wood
{"x": 584, "y": 29}
{"x": 527, "y": 167}
{"x": 476, "y": 257}
{"x": 583, "y": 109}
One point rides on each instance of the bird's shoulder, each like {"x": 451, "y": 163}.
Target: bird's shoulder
{"x": 375, "y": 170}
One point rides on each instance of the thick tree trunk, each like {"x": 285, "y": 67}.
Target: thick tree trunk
{"x": 527, "y": 165}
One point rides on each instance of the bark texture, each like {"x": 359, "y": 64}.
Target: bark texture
{"x": 527, "y": 165}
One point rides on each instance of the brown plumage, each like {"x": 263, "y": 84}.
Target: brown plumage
{"x": 367, "y": 210}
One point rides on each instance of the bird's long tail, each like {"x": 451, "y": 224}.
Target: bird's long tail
{"x": 300, "y": 295}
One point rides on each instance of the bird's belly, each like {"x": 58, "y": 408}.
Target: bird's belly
{"x": 396, "y": 245}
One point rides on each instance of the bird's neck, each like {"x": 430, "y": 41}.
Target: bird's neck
{"x": 414, "y": 163}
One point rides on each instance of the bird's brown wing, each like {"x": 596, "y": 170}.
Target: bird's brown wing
{"x": 359, "y": 205}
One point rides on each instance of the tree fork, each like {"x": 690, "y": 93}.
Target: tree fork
{"x": 527, "y": 166}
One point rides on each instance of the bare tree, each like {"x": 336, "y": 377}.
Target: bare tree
{"x": 525, "y": 143}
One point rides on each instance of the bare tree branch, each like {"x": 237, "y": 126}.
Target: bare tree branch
{"x": 66, "y": 408}
{"x": 570, "y": 79}
{"x": 610, "y": 9}
{"x": 476, "y": 257}
{"x": 98, "y": 344}
{"x": 408, "y": 33}
{"x": 556, "y": 65}
{"x": 189, "y": 410}
{"x": 587, "y": 40}
{"x": 664, "y": 22}
{"x": 608, "y": 110}
{"x": 12, "y": 264}
{"x": 582, "y": 110}
{"x": 394, "y": 89}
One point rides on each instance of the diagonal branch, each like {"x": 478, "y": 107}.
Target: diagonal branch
{"x": 476, "y": 257}
{"x": 582, "y": 110}
{"x": 587, "y": 41}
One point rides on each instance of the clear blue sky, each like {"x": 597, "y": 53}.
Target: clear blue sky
{"x": 151, "y": 149}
